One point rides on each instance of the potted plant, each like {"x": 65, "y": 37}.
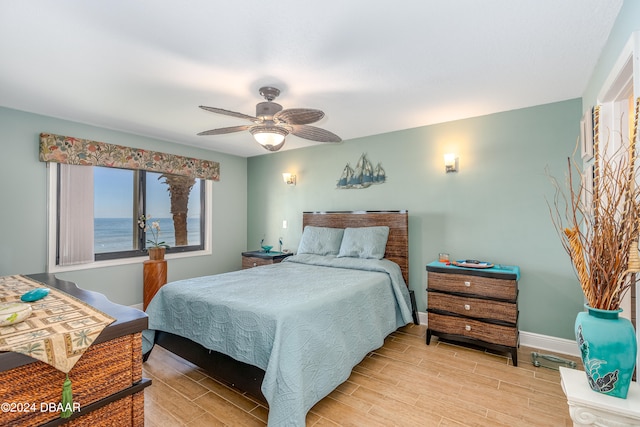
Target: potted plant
{"x": 156, "y": 249}
{"x": 599, "y": 229}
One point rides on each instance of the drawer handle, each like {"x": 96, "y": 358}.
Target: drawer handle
{"x": 467, "y": 284}
{"x": 467, "y": 327}
{"x": 467, "y": 307}
{"x": 255, "y": 264}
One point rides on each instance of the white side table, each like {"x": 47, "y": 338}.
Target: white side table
{"x": 589, "y": 408}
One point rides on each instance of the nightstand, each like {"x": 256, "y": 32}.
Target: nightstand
{"x": 154, "y": 274}
{"x": 257, "y": 258}
{"x": 475, "y": 306}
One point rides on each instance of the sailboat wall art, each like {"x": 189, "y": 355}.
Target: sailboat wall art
{"x": 363, "y": 176}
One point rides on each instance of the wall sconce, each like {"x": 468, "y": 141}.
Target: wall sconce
{"x": 450, "y": 162}
{"x": 289, "y": 179}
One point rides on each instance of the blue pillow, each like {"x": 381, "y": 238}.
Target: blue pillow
{"x": 364, "y": 242}
{"x": 320, "y": 240}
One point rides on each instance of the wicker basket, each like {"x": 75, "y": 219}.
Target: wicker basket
{"x": 103, "y": 370}
{"x": 128, "y": 411}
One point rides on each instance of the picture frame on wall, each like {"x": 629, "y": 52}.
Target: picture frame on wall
{"x": 586, "y": 135}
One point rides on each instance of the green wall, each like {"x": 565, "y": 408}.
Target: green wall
{"x": 493, "y": 209}
{"x": 23, "y": 212}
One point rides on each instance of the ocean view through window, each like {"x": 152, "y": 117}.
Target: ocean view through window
{"x": 115, "y": 234}
{"x": 121, "y": 196}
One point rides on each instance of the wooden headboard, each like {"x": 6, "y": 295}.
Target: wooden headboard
{"x": 398, "y": 243}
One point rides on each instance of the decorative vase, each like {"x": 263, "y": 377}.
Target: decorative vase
{"x": 156, "y": 254}
{"x": 608, "y": 346}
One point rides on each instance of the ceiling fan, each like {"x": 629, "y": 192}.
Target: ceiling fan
{"x": 272, "y": 124}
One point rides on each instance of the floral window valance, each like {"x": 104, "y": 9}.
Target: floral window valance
{"x": 75, "y": 151}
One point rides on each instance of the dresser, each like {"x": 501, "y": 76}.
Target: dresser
{"x": 474, "y": 306}
{"x": 107, "y": 381}
{"x": 257, "y": 258}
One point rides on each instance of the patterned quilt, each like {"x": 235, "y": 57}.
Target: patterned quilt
{"x": 306, "y": 322}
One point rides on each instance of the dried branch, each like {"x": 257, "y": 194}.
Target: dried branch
{"x": 601, "y": 236}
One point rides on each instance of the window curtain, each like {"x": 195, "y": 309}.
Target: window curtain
{"x": 76, "y": 215}
{"x": 75, "y": 151}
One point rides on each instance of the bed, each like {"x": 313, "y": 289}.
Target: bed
{"x": 290, "y": 333}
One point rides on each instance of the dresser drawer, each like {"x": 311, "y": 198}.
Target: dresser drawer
{"x": 252, "y": 259}
{"x": 473, "y": 285}
{"x": 474, "y": 307}
{"x": 249, "y": 262}
{"x": 476, "y": 329}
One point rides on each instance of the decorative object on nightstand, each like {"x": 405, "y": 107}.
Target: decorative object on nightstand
{"x": 598, "y": 227}
{"x": 265, "y": 248}
{"x": 156, "y": 254}
{"x": 474, "y": 305}
{"x": 154, "y": 228}
{"x": 252, "y": 259}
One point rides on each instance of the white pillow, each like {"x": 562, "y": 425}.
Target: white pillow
{"x": 364, "y": 242}
{"x": 320, "y": 240}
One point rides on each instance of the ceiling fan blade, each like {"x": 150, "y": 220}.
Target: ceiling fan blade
{"x": 314, "y": 133}
{"x": 299, "y": 116}
{"x": 230, "y": 113}
{"x": 222, "y": 131}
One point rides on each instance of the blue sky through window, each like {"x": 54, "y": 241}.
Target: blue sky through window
{"x": 114, "y": 195}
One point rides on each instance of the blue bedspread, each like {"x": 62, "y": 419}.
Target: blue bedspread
{"x": 306, "y": 322}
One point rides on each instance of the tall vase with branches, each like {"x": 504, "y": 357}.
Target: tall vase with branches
{"x": 599, "y": 230}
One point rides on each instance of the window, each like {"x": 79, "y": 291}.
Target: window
{"x": 119, "y": 198}
{"x": 114, "y": 207}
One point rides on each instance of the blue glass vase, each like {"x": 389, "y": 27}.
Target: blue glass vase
{"x": 608, "y": 346}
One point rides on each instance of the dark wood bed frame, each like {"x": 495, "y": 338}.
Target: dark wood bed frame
{"x": 248, "y": 378}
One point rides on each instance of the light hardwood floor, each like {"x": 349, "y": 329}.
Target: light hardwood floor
{"x": 404, "y": 383}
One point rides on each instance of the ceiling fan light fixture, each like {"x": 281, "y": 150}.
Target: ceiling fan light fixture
{"x": 269, "y": 136}
{"x": 271, "y": 124}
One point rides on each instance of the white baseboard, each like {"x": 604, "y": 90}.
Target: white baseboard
{"x": 546, "y": 342}
{"x": 422, "y": 317}
{"x": 538, "y": 341}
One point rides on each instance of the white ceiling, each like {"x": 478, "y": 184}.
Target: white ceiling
{"x": 144, "y": 66}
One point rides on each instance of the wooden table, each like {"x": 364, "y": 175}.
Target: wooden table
{"x": 107, "y": 380}
{"x": 154, "y": 277}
